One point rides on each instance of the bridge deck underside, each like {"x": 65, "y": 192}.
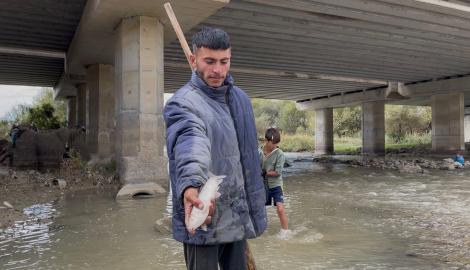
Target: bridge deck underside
{"x": 391, "y": 40}
{"x": 45, "y": 25}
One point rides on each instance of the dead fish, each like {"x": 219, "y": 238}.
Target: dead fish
{"x": 208, "y": 192}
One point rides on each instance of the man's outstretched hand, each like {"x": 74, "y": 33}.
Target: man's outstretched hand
{"x": 191, "y": 200}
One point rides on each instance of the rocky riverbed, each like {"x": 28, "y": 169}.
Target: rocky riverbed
{"x": 401, "y": 152}
{"x": 404, "y": 166}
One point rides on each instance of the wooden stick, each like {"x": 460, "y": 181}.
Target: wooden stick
{"x": 179, "y": 33}
{"x": 250, "y": 260}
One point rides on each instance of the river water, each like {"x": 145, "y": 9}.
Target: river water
{"x": 340, "y": 217}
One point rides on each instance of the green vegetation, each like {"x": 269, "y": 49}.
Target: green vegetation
{"x": 297, "y": 142}
{"x": 110, "y": 167}
{"x": 405, "y": 126}
{"x": 44, "y": 113}
{"x": 4, "y": 130}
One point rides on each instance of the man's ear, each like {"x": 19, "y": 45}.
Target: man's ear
{"x": 192, "y": 58}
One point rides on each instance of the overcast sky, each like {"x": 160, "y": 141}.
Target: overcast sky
{"x": 12, "y": 94}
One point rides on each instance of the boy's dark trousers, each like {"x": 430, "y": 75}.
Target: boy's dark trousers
{"x": 230, "y": 256}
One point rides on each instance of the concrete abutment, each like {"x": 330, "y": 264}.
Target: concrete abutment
{"x": 139, "y": 101}
{"x": 81, "y": 105}
{"x": 324, "y": 144}
{"x": 373, "y": 128}
{"x": 448, "y": 125}
{"x": 71, "y": 112}
{"x": 100, "y": 111}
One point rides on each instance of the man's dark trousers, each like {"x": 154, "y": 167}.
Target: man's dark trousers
{"x": 230, "y": 256}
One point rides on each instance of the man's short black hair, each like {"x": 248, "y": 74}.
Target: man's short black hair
{"x": 273, "y": 135}
{"x": 211, "y": 38}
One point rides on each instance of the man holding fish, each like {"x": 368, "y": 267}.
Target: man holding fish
{"x": 215, "y": 170}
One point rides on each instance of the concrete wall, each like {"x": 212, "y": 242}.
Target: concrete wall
{"x": 448, "y": 122}
{"x": 324, "y": 132}
{"x": 71, "y": 111}
{"x": 139, "y": 98}
{"x": 467, "y": 124}
{"x": 81, "y": 105}
{"x": 100, "y": 110}
{"x": 373, "y": 127}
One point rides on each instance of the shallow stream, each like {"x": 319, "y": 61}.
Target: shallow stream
{"x": 340, "y": 217}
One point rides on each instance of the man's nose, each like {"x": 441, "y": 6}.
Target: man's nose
{"x": 217, "y": 68}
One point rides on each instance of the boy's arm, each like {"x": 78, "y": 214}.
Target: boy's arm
{"x": 272, "y": 174}
{"x": 279, "y": 165}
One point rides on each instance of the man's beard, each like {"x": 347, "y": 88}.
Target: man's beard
{"x": 201, "y": 75}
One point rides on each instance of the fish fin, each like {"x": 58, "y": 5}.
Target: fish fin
{"x": 211, "y": 175}
{"x": 204, "y": 227}
{"x": 219, "y": 181}
{"x": 217, "y": 195}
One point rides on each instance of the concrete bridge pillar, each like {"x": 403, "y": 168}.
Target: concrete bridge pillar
{"x": 467, "y": 124}
{"x": 100, "y": 110}
{"x": 81, "y": 105}
{"x": 71, "y": 111}
{"x": 324, "y": 144}
{"x": 448, "y": 122}
{"x": 373, "y": 127}
{"x": 139, "y": 101}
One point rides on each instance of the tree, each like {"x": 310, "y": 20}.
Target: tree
{"x": 266, "y": 114}
{"x": 291, "y": 119}
{"x": 282, "y": 115}
{"x": 401, "y": 119}
{"x": 262, "y": 124}
{"x": 347, "y": 121}
{"x": 46, "y": 96}
{"x": 43, "y": 117}
{"x": 17, "y": 114}
{"x": 4, "y": 129}
{"x": 267, "y": 108}
{"x": 44, "y": 112}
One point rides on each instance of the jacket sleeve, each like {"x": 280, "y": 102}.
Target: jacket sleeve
{"x": 187, "y": 144}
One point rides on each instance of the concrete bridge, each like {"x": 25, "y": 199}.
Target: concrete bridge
{"x": 112, "y": 60}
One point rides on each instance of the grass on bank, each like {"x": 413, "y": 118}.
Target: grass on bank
{"x": 302, "y": 142}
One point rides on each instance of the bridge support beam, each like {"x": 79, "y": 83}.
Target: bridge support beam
{"x": 100, "y": 111}
{"x": 81, "y": 105}
{"x": 447, "y": 122}
{"x": 139, "y": 97}
{"x": 71, "y": 111}
{"x": 467, "y": 124}
{"x": 324, "y": 144}
{"x": 373, "y": 127}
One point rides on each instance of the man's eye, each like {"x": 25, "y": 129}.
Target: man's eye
{"x": 209, "y": 62}
{"x": 224, "y": 63}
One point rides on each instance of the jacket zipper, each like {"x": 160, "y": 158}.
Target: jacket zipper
{"x": 241, "y": 163}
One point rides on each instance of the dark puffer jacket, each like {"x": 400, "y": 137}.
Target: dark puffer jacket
{"x": 213, "y": 130}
